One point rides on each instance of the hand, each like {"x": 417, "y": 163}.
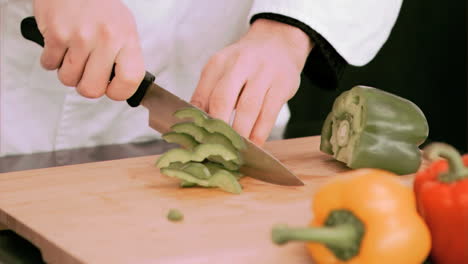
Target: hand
{"x": 83, "y": 39}
{"x": 255, "y": 77}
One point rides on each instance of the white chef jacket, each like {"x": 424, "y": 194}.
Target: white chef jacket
{"x": 38, "y": 113}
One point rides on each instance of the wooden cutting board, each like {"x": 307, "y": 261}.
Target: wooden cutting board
{"x": 115, "y": 211}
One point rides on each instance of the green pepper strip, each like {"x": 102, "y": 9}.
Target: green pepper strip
{"x": 175, "y": 215}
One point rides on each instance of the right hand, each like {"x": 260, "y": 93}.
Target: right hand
{"x": 84, "y": 38}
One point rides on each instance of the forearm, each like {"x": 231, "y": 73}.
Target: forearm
{"x": 341, "y": 34}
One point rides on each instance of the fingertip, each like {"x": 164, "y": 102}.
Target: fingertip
{"x": 129, "y": 73}
{"x": 200, "y": 95}
{"x": 66, "y": 79}
{"x": 55, "y": 48}
{"x": 91, "y": 92}
{"x": 120, "y": 90}
{"x": 47, "y": 63}
{"x": 197, "y": 103}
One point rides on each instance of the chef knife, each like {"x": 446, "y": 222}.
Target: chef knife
{"x": 161, "y": 104}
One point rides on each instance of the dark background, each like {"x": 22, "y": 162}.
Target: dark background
{"x": 424, "y": 60}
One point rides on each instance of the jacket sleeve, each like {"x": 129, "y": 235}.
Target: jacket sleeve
{"x": 343, "y": 31}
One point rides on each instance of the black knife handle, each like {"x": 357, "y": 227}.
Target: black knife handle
{"x": 30, "y": 31}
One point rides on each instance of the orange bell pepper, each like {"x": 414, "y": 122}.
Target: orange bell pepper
{"x": 366, "y": 216}
{"x": 442, "y": 198}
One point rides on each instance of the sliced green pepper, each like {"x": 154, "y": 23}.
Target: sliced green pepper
{"x": 197, "y": 169}
{"x": 211, "y": 157}
{"x": 212, "y": 125}
{"x": 371, "y": 128}
{"x": 199, "y": 153}
{"x": 191, "y": 113}
{"x": 222, "y": 179}
{"x": 185, "y": 130}
{"x": 182, "y": 139}
{"x": 189, "y": 128}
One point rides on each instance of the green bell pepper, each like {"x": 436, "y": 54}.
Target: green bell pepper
{"x": 371, "y": 128}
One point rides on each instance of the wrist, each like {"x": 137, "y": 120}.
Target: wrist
{"x": 297, "y": 42}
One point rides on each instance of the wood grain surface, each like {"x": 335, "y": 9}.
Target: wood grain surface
{"x": 115, "y": 211}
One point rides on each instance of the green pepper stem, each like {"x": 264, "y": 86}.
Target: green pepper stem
{"x": 342, "y": 135}
{"x": 340, "y": 236}
{"x": 457, "y": 170}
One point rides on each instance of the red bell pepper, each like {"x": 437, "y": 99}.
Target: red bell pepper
{"x": 442, "y": 199}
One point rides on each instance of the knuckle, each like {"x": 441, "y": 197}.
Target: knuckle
{"x": 83, "y": 37}
{"x": 246, "y": 62}
{"x": 217, "y": 104}
{"x": 107, "y": 32}
{"x": 288, "y": 88}
{"x": 57, "y": 36}
{"x": 245, "y": 57}
{"x": 217, "y": 60}
{"x": 296, "y": 81}
{"x": 246, "y": 52}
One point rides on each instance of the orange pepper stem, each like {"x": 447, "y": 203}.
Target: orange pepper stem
{"x": 338, "y": 236}
{"x": 342, "y": 234}
{"x": 457, "y": 170}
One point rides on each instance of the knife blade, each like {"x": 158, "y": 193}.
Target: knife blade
{"x": 161, "y": 104}
{"x": 259, "y": 164}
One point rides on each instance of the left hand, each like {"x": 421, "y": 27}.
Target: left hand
{"x": 255, "y": 77}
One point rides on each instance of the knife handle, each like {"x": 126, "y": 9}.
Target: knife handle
{"x": 30, "y": 31}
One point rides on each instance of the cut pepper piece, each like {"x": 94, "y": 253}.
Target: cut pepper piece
{"x": 197, "y": 169}
{"x": 182, "y": 139}
{"x": 217, "y": 138}
{"x": 226, "y": 181}
{"x": 219, "y": 126}
{"x": 371, "y": 128}
{"x": 214, "y": 167}
{"x": 175, "y": 215}
{"x": 191, "y": 113}
{"x": 221, "y": 179}
{"x": 199, "y": 153}
{"x": 189, "y": 128}
{"x": 231, "y": 165}
{"x": 187, "y": 184}
{"x": 213, "y": 125}
{"x": 184, "y": 176}
{"x": 201, "y": 135}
